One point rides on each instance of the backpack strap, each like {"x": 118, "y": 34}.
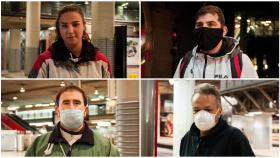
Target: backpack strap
{"x": 185, "y": 62}
{"x": 236, "y": 63}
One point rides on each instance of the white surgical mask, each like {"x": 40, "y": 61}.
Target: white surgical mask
{"x": 72, "y": 118}
{"x": 204, "y": 120}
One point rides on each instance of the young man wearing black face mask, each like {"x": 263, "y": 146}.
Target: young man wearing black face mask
{"x": 215, "y": 55}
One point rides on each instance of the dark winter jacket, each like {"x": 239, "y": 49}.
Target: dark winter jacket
{"x": 222, "y": 140}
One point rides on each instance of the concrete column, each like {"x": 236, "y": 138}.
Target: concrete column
{"x": 183, "y": 119}
{"x": 14, "y": 56}
{"x": 111, "y": 86}
{"x": 148, "y": 93}
{"x": 127, "y": 117}
{"x": 262, "y": 138}
{"x": 103, "y": 24}
{"x": 4, "y": 50}
{"x": 33, "y": 13}
{"x": 47, "y": 39}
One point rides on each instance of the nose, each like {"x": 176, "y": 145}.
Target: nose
{"x": 71, "y": 105}
{"x": 69, "y": 29}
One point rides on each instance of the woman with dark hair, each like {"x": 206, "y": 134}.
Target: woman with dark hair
{"x": 72, "y": 55}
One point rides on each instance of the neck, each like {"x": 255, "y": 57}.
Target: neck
{"x": 75, "y": 49}
{"x": 216, "y": 49}
{"x": 203, "y": 133}
{"x": 73, "y": 131}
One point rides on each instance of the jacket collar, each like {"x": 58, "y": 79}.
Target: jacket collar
{"x": 87, "y": 136}
{"x": 220, "y": 126}
{"x": 61, "y": 54}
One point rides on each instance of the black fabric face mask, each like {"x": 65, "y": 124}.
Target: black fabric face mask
{"x": 207, "y": 38}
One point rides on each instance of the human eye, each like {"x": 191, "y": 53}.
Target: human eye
{"x": 75, "y": 24}
{"x": 63, "y": 25}
{"x": 66, "y": 102}
{"x": 77, "y": 102}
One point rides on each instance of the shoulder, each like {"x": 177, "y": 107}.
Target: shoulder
{"x": 43, "y": 57}
{"x": 235, "y": 134}
{"x": 46, "y": 54}
{"x": 42, "y": 139}
{"x": 99, "y": 56}
{"x": 39, "y": 144}
{"x": 99, "y": 139}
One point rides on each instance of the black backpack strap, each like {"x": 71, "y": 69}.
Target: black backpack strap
{"x": 236, "y": 63}
{"x": 185, "y": 62}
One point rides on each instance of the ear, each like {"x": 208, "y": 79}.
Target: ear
{"x": 57, "y": 110}
{"x": 225, "y": 31}
{"x": 86, "y": 110}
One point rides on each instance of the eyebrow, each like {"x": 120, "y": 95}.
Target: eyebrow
{"x": 71, "y": 22}
{"x": 206, "y": 107}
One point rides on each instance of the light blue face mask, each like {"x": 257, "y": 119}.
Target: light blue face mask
{"x": 72, "y": 118}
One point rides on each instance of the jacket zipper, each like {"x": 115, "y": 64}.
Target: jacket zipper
{"x": 205, "y": 63}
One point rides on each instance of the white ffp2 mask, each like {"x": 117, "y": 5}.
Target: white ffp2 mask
{"x": 204, "y": 120}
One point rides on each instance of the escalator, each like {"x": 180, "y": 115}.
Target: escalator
{"x": 11, "y": 124}
{"x": 23, "y": 123}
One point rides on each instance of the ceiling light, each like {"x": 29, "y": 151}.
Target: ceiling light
{"x": 52, "y": 104}
{"x": 22, "y": 90}
{"x": 13, "y": 108}
{"x": 96, "y": 92}
{"x": 95, "y": 99}
{"x": 28, "y": 106}
{"x": 62, "y": 84}
{"x": 15, "y": 98}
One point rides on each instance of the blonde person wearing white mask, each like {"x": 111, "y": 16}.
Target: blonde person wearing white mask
{"x": 210, "y": 135}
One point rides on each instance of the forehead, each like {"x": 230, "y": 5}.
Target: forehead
{"x": 71, "y": 94}
{"x": 208, "y": 17}
{"x": 204, "y": 100}
{"x": 70, "y": 16}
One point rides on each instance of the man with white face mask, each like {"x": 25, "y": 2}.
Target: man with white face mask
{"x": 71, "y": 136}
{"x": 210, "y": 135}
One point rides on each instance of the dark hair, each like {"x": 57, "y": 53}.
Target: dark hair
{"x": 70, "y": 88}
{"x": 212, "y": 10}
{"x": 66, "y": 9}
{"x": 208, "y": 89}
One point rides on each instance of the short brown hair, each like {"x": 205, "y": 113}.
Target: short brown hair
{"x": 70, "y": 88}
{"x": 66, "y": 9}
{"x": 212, "y": 10}
{"x": 208, "y": 89}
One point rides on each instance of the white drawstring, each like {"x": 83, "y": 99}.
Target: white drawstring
{"x": 48, "y": 151}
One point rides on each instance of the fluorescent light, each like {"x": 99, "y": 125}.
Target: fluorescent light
{"x": 51, "y": 28}
{"x": 13, "y": 108}
{"x": 52, "y": 103}
{"x": 38, "y": 105}
{"x": 101, "y": 97}
{"x": 103, "y": 124}
{"x": 254, "y": 113}
{"x": 28, "y": 106}
{"x": 95, "y": 99}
